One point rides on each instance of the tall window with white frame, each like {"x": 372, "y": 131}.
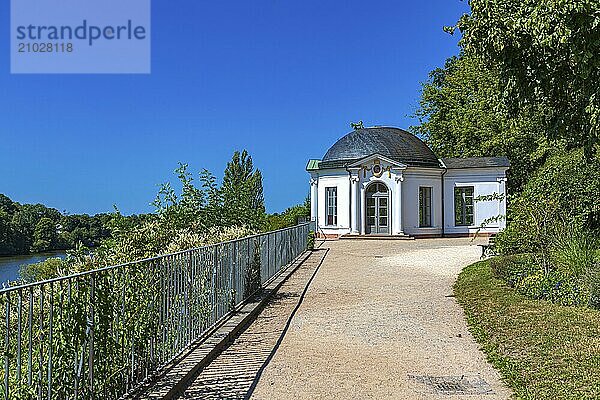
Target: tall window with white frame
{"x": 424, "y": 207}
{"x": 463, "y": 206}
{"x": 331, "y": 206}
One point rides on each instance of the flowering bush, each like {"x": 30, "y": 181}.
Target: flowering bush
{"x": 569, "y": 274}
{"x": 197, "y": 216}
{"x": 186, "y": 239}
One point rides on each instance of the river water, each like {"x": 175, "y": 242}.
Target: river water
{"x": 9, "y": 266}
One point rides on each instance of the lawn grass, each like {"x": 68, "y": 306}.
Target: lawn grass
{"x": 542, "y": 350}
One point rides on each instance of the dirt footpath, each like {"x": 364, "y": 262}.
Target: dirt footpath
{"x": 377, "y": 322}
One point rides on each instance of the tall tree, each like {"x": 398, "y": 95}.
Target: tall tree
{"x": 6, "y": 234}
{"x": 547, "y": 53}
{"x": 461, "y": 114}
{"x": 45, "y": 235}
{"x": 7, "y": 205}
{"x": 242, "y": 193}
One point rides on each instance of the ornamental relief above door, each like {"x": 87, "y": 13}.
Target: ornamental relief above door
{"x": 377, "y": 169}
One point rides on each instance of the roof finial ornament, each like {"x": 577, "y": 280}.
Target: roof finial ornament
{"x": 357, "y": 125}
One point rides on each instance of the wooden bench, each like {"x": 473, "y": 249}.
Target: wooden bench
{"x": 488, "y": 249}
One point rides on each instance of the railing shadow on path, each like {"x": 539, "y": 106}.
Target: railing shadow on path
{"x": 237, "y": 370}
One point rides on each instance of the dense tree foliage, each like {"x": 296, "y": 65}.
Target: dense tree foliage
{"x": 526, "y": 84}
{"x": 242, "y": 193}
{"x": 45, "y": 235}
{"x": 26, "y": 228}
{"x": 564, "y": 190}
{"x": 290, "y": 216}
{"x": 193, "y": 213}
{"x": 547, "y": 54}
{"x": 461, "y": 114}
{"x": 238, "y": 201}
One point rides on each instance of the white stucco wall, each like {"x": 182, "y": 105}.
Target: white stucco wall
{"x": 413, "y": 179}
{"x": 485, "y": 181}
{"x": 340, "y": 178}
{"x": 335, "y": 178}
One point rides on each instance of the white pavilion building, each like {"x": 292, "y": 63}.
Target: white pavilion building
{"x": 386, "y": 181}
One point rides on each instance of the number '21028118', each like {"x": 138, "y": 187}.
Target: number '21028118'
{"x": 45, "y": 47}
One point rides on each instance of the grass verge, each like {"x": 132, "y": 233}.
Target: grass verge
{"x": 542, "y": 350}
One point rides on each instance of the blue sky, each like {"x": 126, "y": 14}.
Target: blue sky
{"x": 281, "y": 79}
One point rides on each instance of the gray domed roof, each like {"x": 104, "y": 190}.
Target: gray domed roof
{"x": 393, "y": 143}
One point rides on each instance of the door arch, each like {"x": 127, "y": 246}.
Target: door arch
{"x": 377, "y": 209}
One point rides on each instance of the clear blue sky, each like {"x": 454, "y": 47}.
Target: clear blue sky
{"x": 282, "y": 79}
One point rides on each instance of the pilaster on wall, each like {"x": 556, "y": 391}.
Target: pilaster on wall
{"x": 502, "y": 205}
{"x": 354, "y": 207}
{"x": 397, "y": 211}
{"x": 314, "y": 198}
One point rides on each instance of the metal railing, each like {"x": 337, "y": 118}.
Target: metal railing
{"x": 100, "y": 334}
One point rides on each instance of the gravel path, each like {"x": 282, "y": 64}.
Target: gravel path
{"x": 377, "y": 322}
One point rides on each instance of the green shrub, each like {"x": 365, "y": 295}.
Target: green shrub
{"x": 525, "y": 273}
{"x": 47, "y": 269}
{"x": 289, "y": 217}
{"x": 573, "y": 251}
{"x": 564, "y": 191}
{"x": 592, "y": 277}
{"x": 573, "y": 258}
{"x": 569, "y": 274}
{"x": 512, "y": 269}
{"x": 310, "y": 242}
{"x": 555, "y": 287}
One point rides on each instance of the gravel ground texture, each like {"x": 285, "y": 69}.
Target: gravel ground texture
{"x": 378, "y": 321}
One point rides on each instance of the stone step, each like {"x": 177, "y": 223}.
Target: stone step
{"x": 377, "y": 237}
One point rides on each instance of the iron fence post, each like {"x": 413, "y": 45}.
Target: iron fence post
{"x": 6, "y": 350}
{"x": 91, "y": 355}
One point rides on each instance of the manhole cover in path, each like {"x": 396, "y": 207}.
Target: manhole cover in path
{"x": 450, "y": 385}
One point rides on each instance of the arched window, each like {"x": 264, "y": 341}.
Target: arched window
{"x": 377, "y": 188}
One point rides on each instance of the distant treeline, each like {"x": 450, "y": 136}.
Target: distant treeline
{"x": 33, "y": 228}
{"x": 289, "y": 217}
